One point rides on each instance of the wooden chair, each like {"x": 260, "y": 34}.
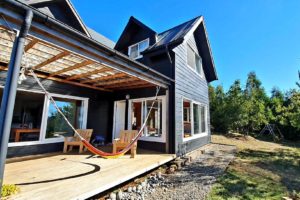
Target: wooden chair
{"x": 126, "y": 136}
{"x": 75, "y": 140}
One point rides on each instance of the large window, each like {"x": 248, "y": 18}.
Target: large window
{"x": 197, "y": 112}
{"x": 56, "y": 125}
{"x": 155, "y": 125}
{"x": 134, "y": 51}
{"x": 194, "y": 60}
{"x": 36, "y": 121}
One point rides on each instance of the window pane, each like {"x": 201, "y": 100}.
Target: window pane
{"x": 136, "y": 116}
{"x": 143, "y": 45}
{"x": 154, "y": 122}
{"x": 196, "y": 109}
{"x": 203, "y": 119}
{"x": 27, "y": 117}
{"x": 134, "y": 51}
{"x": 187, "y": 130}
{"x": 191, "y": 57}
{"x": 198, "y": 64}
{"x": 56, "y": 125}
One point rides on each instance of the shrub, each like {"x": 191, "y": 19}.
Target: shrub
{"x": 8, "y": 190}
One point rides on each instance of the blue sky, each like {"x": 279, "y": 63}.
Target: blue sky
{"x": 257, "y": 35}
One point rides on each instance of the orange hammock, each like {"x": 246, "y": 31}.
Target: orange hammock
{"x": 88, "y": 145}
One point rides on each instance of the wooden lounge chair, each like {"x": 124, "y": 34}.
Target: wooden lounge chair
{"x": 75, "y": 140}
{"x": 126, "y": 136}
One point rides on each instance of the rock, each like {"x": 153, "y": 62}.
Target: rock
{"x": 159, "y": 175}
{"x": 134, "y": 189}
{"x": 113, "y": 196}
{"x": 139, "y": 187}
{"x": 144, "y": 184}
{"x": 120, "y": 195}
{"x": 129, "y": 189}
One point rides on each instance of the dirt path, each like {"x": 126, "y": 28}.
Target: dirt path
{"x": 195, "y": 180}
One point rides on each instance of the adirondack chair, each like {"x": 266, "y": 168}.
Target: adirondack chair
{"x": 75, "y": 140}
{"x": 126, "y": 136}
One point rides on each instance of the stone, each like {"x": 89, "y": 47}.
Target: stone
{"x": 133, "y": 189}
{"x": 144, "y": 184}
{"x": 139, "y": 187}
{"x": 129, "y": 189}
{"x": 113, "y": 196}
{"x": 159, "y": 175}
{"x": 120, "y": 195}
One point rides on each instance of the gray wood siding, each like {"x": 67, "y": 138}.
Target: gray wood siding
{"x": 188, "y": 84}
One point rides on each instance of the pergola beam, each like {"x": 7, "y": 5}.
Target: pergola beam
{"x": 104, "y": 78}
{"x": 30, "y": 44}
{"x": 124, "y": 80}
{"x": 54, "y": 58}
{"x": 89, "y": 73}
{"x": 136, "y": 86}
{"x": 126, "y": 84}
{"x": 76, "y": 66}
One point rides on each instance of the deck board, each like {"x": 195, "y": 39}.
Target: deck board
{"x": 73, "y": 176}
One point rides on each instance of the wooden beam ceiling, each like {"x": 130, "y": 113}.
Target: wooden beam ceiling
{"x": 124, "y": 80}
{"x": 54, "y": 58}
{"x": 76, "y": 66}
{"x": 125, "y": 84}
{"x": 89, "y": 73}
{"x": 104, "y": 78}
{"x": 30, "y": 44}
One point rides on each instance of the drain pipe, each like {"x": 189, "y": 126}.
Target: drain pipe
{"x": 10, "y": 90}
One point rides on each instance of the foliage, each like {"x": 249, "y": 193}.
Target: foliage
{"x": 8, "y": 190}
{"x": 247, "y": 110}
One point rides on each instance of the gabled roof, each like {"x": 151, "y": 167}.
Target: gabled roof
{"x": 101, "y": 38}
{"x": 71, "y": 17}
{"x": 174, "y": 34}
{"x": 130, "y": 29}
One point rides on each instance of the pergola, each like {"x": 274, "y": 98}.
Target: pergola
{"x": 61, "y": 65}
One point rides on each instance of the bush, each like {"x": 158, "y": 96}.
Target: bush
{"x": 8, "y": 190}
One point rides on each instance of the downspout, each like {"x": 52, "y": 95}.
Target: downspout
{"x": 10, "y": 90}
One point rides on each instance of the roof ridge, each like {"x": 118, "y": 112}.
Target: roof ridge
{"x": 180, "y": 24}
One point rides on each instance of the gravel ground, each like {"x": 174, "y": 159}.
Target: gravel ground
{"x": 195, "y": 180}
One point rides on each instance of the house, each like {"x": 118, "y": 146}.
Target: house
{"x": 106, "y": 86}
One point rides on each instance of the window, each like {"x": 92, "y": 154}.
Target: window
{"x": 56, "y": 125}
{"x": 197, "y": 113}
{"x": 156, "y": 123}
{"x": 134, "y": 51}
{"x": 194, "y": 60}
{"x": 36, "y": 121}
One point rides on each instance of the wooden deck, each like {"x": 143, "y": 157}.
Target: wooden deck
{"x": 73, "y": 176}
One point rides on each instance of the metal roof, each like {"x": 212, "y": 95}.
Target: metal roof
{"x": 101, "y": 38}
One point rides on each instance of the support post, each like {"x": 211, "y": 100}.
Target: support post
{"x": 10, "y": 90}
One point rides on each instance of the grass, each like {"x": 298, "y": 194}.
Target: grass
{"x": 8, "y": 190}
{"x": 262, "y": 170}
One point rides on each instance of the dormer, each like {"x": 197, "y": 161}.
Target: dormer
{"x": 135, "y": 38}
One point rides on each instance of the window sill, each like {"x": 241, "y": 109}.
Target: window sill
{"x": 199, "y": 74}
{"x": 196, "y": 136}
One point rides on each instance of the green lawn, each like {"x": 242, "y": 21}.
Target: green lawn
{"x": 262, "y": 170}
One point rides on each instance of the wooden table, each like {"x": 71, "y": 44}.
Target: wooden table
{"x": 19, "y": 131}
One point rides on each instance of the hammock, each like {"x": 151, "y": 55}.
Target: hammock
{"x": 88, "y": 145}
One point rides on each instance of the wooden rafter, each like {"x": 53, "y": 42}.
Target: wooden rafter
{"x": 104, "y": 78}
{"x": 30, "y": 44}
{"x": 125, "y": 84}
{"x": 50, "y": 60}
{"x": 64, "y": 81}
{"x": 76, "y": 66}
{"x": 88, "y": 73}
{"x": 124, "y": 80}
{"x": 135, "y": 86}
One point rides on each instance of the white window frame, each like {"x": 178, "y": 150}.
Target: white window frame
{"x": 161, "y": 139}
{"x": 138, "y": 44}
{"x": 201, "y": 74}
{"x": 193, "y": 135}
{"x": 42, "y": 139}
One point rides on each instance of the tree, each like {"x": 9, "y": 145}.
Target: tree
{"x": 298, "y": 83}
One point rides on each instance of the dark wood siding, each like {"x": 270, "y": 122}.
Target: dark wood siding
{"x": 188, "y": 84}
